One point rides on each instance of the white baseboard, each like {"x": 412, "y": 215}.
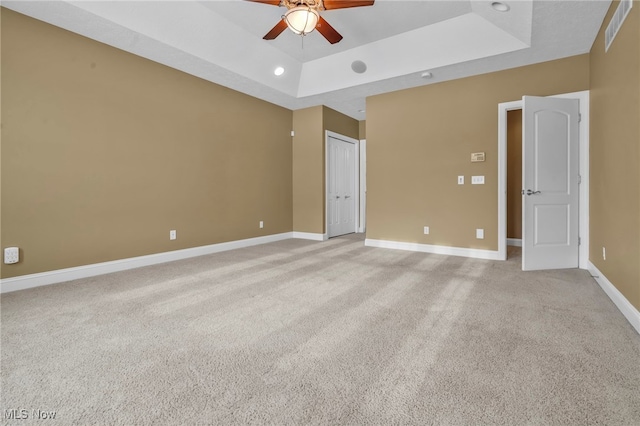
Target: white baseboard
{"x": 61, "y": 275}
{"x": 628, "y": 310}
{"x": 427, "y": 248}
{"x": 310, "y": 236}
{"x": 517, "y": 242}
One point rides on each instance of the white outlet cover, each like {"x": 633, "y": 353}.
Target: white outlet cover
{"x": 426, "y": 230}
{"x": 261, "y": 224}
{"x": 11, "y": 255}
{"x": 480, "y": 234}
{"x": 173, "y": 235}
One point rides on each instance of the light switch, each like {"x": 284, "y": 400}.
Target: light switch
{"x": 477, "y": 180}
{"x": 460, "y": 180}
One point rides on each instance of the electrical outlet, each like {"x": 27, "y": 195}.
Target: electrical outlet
{"x": 261, "y": 224}
{"x": 480, "y": 234}
{"x": 11, "y": 255}
{"x": 604, "y": 253}
{"x": 173, "y": 234}
{"x": 460, "y": 180}
{"x": 477, "y": 180}
{"x": 426, "y": 230}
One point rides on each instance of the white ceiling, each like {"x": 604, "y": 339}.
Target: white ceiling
{"x": 221, "y": 41}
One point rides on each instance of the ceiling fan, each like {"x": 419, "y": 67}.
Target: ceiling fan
{"x": 303, "y": 16}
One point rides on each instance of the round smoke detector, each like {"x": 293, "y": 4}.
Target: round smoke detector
{"x": 358, "y": 67}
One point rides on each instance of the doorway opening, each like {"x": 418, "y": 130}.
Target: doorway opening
{"x": 503, "y": 160}
{"x": 514, "y": 178}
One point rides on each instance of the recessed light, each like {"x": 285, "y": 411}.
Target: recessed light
{"x": 500, "y": 7}
{"x": 278, "y": 71}
{"x": 426, "y": 74}
{"x": 358, "y": 67}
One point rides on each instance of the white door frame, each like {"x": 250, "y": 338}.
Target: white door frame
{"x": 356, "y": 180}
{"x": 363, "y": 186}
{"x": 583, "y": 249}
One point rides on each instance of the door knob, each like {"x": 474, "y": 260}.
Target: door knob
{"x": 530, "y": 192}
{"x": 337, "y": 196}
{"x": 347, "y": 196}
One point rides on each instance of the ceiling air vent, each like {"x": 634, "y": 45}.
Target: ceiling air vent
{"x": 616, "y": 22}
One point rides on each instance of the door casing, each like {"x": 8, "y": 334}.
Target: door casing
{"x": 583, "y": 250}
{"x": 362, "y": 226}
{"x": 356, "y": 192}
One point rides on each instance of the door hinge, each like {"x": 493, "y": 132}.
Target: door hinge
{"x": 579, "y": 241}
{"x": 579, "y": 117}
{"x": 579, "y": 179}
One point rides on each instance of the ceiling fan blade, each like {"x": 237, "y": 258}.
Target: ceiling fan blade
{"x": 343, "y": 4}
{"x": 328, "y": 31}
{"x": 275, "y": 31}
{"x": 271, "y": 2}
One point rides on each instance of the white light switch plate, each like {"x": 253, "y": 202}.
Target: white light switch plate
{"x": 460, "y": 180}
{"x": 477, "y": 180}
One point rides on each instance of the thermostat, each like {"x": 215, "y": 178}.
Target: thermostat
{"x": 477, "y": 157}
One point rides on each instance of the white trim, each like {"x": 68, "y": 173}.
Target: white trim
{"x": 356, "y": 191}
{"x": 516, "y": 242}
{"x": 628, "y": 310}
{"x": 363, "y": 186}
{"x": 502, "y": 174}
{"x": 310, "y": 236}
{"x": 61, "y": 275}
{"x": 583, "y": 97}
{"x": 427, "y": 248}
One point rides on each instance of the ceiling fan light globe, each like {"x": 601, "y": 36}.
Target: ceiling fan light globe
{"x": 301, "y": 20}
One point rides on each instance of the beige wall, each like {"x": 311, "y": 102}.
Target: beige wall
{"x": 615, "y": 156}
{"x": 104, "y": 152}
{"x": 339, "y": 123}
{"x": 419, "y": 140}
{"x": 310, "y": 125}
{"x": 308, "y": 170}
{"x": 363, "y": 129}
{"x": 514, "y": 174}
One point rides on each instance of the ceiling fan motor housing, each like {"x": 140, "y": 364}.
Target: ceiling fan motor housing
{"x": 303, "y": 16}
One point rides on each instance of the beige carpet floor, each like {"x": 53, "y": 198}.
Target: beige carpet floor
{"x": 300, "y": 332}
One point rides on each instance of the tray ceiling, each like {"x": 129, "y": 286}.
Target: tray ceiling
{"x": 221, "y": 41}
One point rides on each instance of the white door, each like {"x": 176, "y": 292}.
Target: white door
{"x": 341, "y": 187}
{"x": 550, "y": 179}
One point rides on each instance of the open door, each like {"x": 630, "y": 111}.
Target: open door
{"x": 550, "y": 179}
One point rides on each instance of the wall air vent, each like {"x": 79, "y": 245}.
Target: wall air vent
{"x": 616, "y": 22}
